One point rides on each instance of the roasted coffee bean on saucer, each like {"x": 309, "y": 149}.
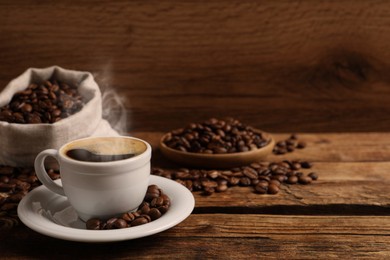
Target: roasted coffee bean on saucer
{"x": 156, "y": 203}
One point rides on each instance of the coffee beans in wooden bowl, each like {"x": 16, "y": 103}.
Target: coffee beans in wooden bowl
{"x": 45, "y": 102}
{"x": 216, "y": 143}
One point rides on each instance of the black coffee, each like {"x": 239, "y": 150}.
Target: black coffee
{"x": 88, "y": 156}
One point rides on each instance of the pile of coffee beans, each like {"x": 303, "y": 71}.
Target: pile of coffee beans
{"x": 47, "y": 102}
{"x": 15, "y": 183}
{"x": 155, "y": 204}
{"x": 288, "y": 145}
{"x": 264, "y": 178}
{"x": 215, "y": 136}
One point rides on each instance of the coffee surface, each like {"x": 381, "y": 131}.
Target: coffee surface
{"x": 85, "y": 155}
{"x": 103, "y": 149}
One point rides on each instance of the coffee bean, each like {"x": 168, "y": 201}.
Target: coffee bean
{"x": 15, "y": 183}
{"x": 261, "y": 188}
{"x": 306, "y": 165}
{"x": 304, "y": 180}
{"x": 289, "y": 145}
{"x": 41, "y": 103}
{"x": 220, "y": 150}
{"x": 163, "y": 209}
{"x": 280, "y": 177}
{"x": 157, "y": 202}
{"x": 313, "y": 176}
{"x": 8, "y": 206}
{"x": 139, "y": 221}
{"x": 33, "y": 118}
{"x": 16, "y": 197}
{"x": 265, "y": 178}
{"x": 3, "y": 197}
{"x": 144, "y": 208}
{"x": 120, "y": 223}
{"x": 110, "y": 223}
{"x": 153, "y": 189}
{"x": 7, "y": 187}
{"x": 131, "y": 219}
{"x": 209, "y": 184}
{"x": 93, "y": 224}
{"x": 221, "y": 188}
{"x": 233, "y": 181}
{"x": 166, "y": 200}
{"x": 196, "y": 185}
{"x": 18, "y": 118}
{"x": 4, "y": 179}
{"x": 20, "y": 185}
{"x": 273, "y": 189}
{"x": 215, "y": 136}
{"x": 213, "y": 174}
{"x": 250, "y": 173}
{"x": 26, "y": 108}
{"x": 296, "y": 166}
{"x": 154, "y": 213}
{"x": 259, "y": 176}
{"x": 129, "y": 216}
{"x": 208, "y": 191}
{"x": 7, "y": 222}
{"x": 152, "y": 192}
{"x": 245, "y": 181}
{"x": 274, "y": 182}
{"x": 292, "y": 180}
{"x": 147, "y": 217}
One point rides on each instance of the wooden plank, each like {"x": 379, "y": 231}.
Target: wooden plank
{"x": 227, "y": 236}
{"x": 323, "y": 197}
{"x": 267, "y": 226}
{"x": 355, "y": 187}
{"x": 321, "y": 147}
{"x": 282, "y": 65}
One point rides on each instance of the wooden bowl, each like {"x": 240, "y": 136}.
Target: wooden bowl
{"x": 217, "y": 161}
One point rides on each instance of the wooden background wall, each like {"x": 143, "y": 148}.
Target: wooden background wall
{"x": 282, "y": 66}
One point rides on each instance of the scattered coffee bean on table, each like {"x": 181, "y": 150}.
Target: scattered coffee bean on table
{"x": 264, "y": 178}
{"x": 155, "y": 204}
{"x": 216, "y": 136}
{"x": 15, "y": 183}
{"x": 47, "y": 102}
{"x": 289, "y": 145}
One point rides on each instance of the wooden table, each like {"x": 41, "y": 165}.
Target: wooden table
{"x": 281, "y": 66}
{"x": 345, "y": 214}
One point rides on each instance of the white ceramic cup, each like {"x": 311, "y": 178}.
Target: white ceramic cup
{"x": 100, "y": 189}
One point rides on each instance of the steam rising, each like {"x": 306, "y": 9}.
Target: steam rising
{"x": 114, "y": 110}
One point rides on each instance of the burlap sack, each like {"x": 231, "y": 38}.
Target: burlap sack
{"x": 20, "y": 143}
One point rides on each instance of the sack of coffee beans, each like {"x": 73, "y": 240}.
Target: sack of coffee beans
{"x": 46, "y": 108}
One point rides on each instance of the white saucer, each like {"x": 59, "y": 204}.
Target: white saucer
{"x": 51, "y": 214}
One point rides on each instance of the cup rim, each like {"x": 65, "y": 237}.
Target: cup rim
{"x": 75, "y": 162}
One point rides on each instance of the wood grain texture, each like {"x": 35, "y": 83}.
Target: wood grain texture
{"x": 280, "y": 65}
{"x": 321, "y": 147}
{"x": 353, "y": 174}
{"x": 222, "y": 236}
{"x": 345, "y": 214}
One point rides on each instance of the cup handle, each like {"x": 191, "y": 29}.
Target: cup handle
{"x": 43, "y": 175}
